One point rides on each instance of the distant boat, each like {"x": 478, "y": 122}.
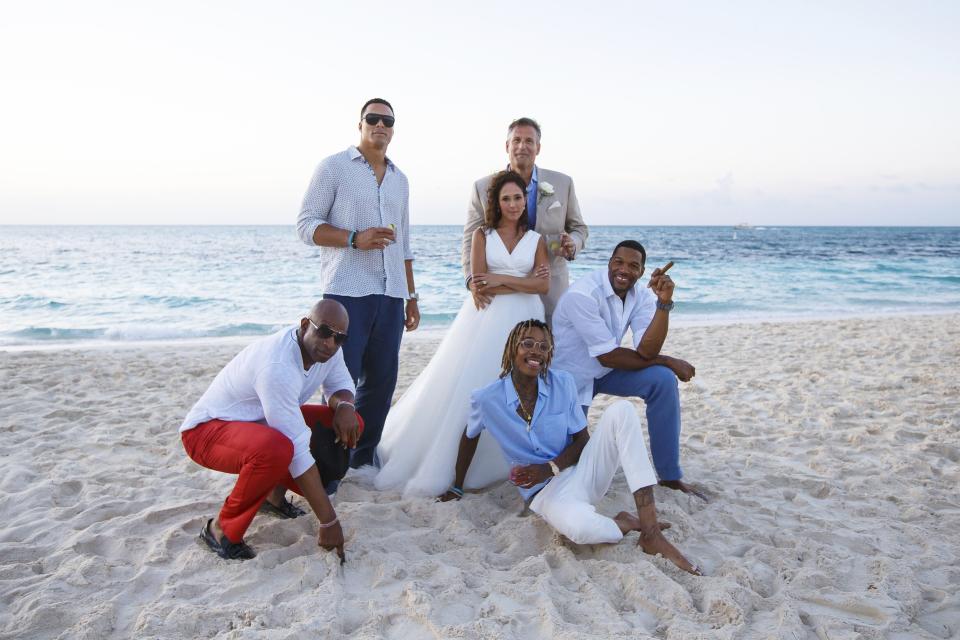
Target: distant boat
{"x": 743, "y": 225}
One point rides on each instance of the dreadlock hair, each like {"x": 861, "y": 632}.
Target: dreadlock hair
{"x": 513, "y": 344}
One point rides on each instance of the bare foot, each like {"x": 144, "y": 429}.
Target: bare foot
{"x": 629, "y": 522}
{"x": 680, "y": 485}
{"x": 653, "y": 543}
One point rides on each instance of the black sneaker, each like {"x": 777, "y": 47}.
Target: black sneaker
{"x": 223, "y": 547}
{"x": 287, "y": 510}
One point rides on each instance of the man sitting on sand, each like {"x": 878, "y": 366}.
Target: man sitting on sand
{"x": 590, "y": 322}
{"x": 253, "y": 422}
{"x": 534, "y": 414}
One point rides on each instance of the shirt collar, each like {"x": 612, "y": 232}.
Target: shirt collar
{"x": 608, "y": 289}
{"x": 534, "y": 177}
{"x": 298, "y": 356}
{"x": 354, "y": 152}
{"x": 510, "y": 391}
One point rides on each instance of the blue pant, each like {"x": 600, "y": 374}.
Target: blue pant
{"x": 657, "y": 385}
{"x": 371, "y": 353}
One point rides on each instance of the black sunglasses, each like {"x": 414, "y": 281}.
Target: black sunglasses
{"x": 373, "y": 118}
{"x": 326, "y": 332}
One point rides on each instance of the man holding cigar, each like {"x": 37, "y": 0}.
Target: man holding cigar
{"x": 357, "y": 211}
{"x": 589, "y": 324}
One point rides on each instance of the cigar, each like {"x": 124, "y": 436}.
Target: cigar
{"x": 666, "y": 267}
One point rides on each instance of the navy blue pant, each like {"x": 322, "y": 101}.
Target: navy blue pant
{"x": 372, "y": 353}
{"x": 657, "y": 385}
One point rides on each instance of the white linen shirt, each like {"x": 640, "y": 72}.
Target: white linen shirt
{"x": 591, "y": 320}
{"x": 266, "y": 383}
{"x": 344, "y": 193}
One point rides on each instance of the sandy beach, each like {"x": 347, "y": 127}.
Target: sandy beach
{"x": 831, "y": 451}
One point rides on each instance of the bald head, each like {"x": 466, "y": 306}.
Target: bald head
{"x": 322, "y": 332}
{"x": 330, "y": 313}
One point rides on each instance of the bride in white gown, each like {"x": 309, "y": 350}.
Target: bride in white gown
{"x": 418, "y": 449}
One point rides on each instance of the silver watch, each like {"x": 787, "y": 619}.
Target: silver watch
{"x": 413, "y": 295}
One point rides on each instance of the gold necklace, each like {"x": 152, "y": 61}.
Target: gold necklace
{"x": 526, "y": 415}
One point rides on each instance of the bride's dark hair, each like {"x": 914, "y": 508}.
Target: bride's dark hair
{"x": 492, "y": 215}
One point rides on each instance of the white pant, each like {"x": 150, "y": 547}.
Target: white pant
{"x": 567, "y": 500}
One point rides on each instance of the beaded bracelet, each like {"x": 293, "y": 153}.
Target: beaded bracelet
{"x": 329, "y": 524}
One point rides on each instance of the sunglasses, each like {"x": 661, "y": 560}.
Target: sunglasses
{"x": 530, "y": 344}
{"x": 373, "y": 118}
{"x": 326, "y": 332}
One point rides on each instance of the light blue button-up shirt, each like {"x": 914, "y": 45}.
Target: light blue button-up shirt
{"x": 344, "y": 193}
{"x": 556, "y": 418}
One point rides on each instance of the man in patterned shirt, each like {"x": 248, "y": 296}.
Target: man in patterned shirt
{"x": 357, "y": 212}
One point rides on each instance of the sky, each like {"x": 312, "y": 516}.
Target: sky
{"x": 673, "y": 112}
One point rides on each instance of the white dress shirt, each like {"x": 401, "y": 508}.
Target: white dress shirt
{"x": 591, "y": 320}
{"x": 266, "y": 383}
{"x": 344, "y": 193}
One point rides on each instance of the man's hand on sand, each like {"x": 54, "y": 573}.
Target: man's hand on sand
{"x": 679, "y": 485}
{"x": 331, "y": 538}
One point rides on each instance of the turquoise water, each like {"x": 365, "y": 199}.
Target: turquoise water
{"x": 92, "y": 283}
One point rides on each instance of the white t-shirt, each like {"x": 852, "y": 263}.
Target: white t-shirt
{"x": 591, "y": 320}
{"x": 266, "y": 383}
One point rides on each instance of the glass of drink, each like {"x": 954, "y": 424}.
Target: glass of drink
{"x": 555, "y": 245}
{"x": 515, "y": 467}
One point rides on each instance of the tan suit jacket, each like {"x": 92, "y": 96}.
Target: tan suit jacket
{"x": 556, "y": 213}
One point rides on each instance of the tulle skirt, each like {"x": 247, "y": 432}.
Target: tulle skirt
{"x": 421, "y": 436}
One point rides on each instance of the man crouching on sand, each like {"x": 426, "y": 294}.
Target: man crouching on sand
{"x": 253, "y": 422}
{"x": 534, "y": 414}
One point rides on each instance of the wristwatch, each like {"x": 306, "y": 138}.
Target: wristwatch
{"x": 554, "y": 468}
{"x": 665, "y": 307}
{"x": 413, "y": 295}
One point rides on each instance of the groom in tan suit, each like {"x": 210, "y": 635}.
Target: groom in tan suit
{"x": 551, "y": 206}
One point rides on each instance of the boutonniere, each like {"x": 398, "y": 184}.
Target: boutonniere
{"x": 545, "y": 188}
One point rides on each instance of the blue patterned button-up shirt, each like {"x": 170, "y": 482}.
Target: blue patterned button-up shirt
{"x": 344, "y": 193}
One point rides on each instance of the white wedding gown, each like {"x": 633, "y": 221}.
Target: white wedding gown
{"x": 421, "y": 436}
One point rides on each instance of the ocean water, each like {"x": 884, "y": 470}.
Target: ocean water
{"x": 132, "y": 283}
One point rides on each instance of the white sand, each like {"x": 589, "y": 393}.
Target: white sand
{"x": 831, "y": 450}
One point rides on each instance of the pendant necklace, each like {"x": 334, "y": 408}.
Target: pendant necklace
{"x": 527, "y": 416}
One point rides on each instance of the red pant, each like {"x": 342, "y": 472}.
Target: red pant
{"x": 260, "y": 455}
